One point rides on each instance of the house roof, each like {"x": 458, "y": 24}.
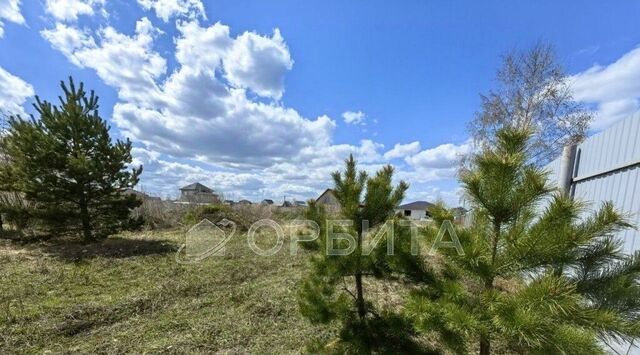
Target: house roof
{"x": 416, "y": 205}
{"x": 196, "y": 186}
{"x": 324, "y": 193}
{"x": 460, "y": 210}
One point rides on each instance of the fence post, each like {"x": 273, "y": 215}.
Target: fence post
{"x": 567, "y": 161}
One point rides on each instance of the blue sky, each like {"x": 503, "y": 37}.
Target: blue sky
{"x": 262, "y": 99}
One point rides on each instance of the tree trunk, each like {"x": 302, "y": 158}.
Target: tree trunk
{"x": 485, "y": 345}
{"x": 485, "y": 339}
{"x": 86, "y": 221}
{"x": 362, "y": 312}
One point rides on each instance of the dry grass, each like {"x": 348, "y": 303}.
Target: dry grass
{"x": 128, "y": 294}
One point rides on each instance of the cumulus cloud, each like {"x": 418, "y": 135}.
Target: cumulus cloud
{"x": 70, "y": 10}
{"x": 258, "y": 63}
{"x": 297, "y": 179}
{"x": 10, "y": 11}
{"x": 165, "y": 9}
{"x": 444, "y": 156}
{"x": 402, "y": 150}
{"x": 427, "y": 175}
{"x": 165, "y": 177}
{"x": 614, "y": 89}
{"x": 193, "y": 112}
{"x": 13, "y": 93}
{"x": 356, "y": 118}
{"x": 127, "y": 63}
{"x": 68, "y": 40}
{"x": 202, "y": 120}
{"x": 451, "y": 196}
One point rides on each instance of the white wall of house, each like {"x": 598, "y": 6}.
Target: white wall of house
{"x": 413, "y": 214}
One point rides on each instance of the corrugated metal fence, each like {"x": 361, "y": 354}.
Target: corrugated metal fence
{"x": 606, "y": 167}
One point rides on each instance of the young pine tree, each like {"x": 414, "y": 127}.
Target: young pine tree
{"x": 335, "y": 290}
{"x": 532, "y": 280}
{"x": 66, "y": 165}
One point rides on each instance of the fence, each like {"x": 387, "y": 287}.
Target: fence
{"x": 606, "y": 167}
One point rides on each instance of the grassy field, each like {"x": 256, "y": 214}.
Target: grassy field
{"x": 128, "y": 294}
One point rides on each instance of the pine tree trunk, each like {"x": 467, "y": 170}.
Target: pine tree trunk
{"x": 485, "y": 345}
{"x": 362, "y": 312}
{"x": 84, "y": 217}
{"x": 485, "y": 339}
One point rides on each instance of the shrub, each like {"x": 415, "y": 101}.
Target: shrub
{"x": 214, "y": 213}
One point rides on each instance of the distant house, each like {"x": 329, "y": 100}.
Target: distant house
{"x": 267, "y": 202}
{"x": 294, "y": 203}
{"x": 416, "y": 210}
{"x": 459, "y": 214}
{"x": 328, "y": 200}
{"x": 198, "y": 193}
{"x": 287, "y": 204}
{"x": 229, "y": 202}
{"x": 244, "y": 202}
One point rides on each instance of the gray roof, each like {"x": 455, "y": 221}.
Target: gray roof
{"x": 196, "y": 186}
{"x": 461, "y": 210}
{"x": 416, "y": 205}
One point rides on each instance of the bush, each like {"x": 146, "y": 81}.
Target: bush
{"x": 214, "y": 213}
{"x": 14, "y": 210}
{"x": 158, "y": 214}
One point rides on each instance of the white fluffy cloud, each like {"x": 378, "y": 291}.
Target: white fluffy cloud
{"x": 70, "y": 10}
{"x": 353, "y": 117}
{"x": 10, "y": 11}
{"x": 13, "y": 93}
{"x": 258, "y": 63}
{"x": 68, "y": 40}
{"x": 127, "y": 63}
{"x": 402, "y": 150}
{"x": 165, "y": 9}
{"x": 451, "y": 196}
{"x": 193, "y": 112}
{"x": 614, "y": 89}
{"x": 201, "y": 120}
{"x": 300, "y": 178}
{"x": 444, "y": 156}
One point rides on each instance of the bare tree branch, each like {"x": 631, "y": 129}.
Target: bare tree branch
{"x": 533, "y": 91}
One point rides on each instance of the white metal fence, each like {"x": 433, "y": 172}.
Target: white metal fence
{"x": 606, "y": 167}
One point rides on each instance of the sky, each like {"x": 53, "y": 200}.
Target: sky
{"x": 264, "y": 99}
